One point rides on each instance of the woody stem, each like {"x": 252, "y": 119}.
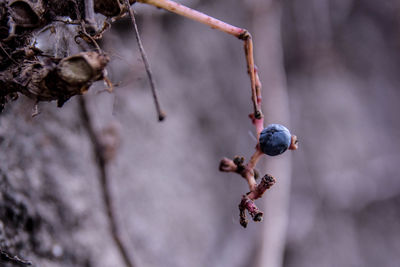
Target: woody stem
{"x": 240, "y": 33}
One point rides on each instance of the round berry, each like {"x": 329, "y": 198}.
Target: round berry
{"x": 275, "y": 139}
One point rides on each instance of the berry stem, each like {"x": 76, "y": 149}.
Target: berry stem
{"x": 247, "y": 172}
{"x": 255, "y": 158}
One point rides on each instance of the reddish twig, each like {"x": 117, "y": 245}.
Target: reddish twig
{"x": 255, "y": 213}
{"x": 240, "y": 33}
{"x": 247, "y": 171}
{"x": 247, "y": 202}
{"x": 236, "y": 165}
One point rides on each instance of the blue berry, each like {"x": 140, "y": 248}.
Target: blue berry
{"x": 274, "y": 139}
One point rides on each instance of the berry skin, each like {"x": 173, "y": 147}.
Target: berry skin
{"x": 275, "y": 139}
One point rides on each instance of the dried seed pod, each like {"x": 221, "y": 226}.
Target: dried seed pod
{"x": 82, "y": 68}
{"x": 26, "y": 13}
{"x": 32, "y": 79}
{"x": 110, "y": 8}
{"x": 59, "y": 80}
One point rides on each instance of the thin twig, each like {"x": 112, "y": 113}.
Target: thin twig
{"x": 249, "y": 173}
{"x": 240, "y": 33}
{"x": 195, "y": 15}
{"x": 160, "y": 113}
{"x": 88, "y": 39}
{"x": 101, "y": 160}
{"x": 5, "y": 257}
{"x": 247, "y": 202}
{"x": 83, "y": 34}
{"x": 248, "y": 50}
{"x": 8, "y": 55}
{"x": 246, "y": 171}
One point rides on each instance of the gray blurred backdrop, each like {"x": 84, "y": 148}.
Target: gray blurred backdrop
{"x": 330, "y": 72}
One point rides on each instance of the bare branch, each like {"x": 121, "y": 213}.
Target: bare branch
{"x": 99, "y": 151}
{"x": 160, "y": 113}
{"x": 4, "y": 256}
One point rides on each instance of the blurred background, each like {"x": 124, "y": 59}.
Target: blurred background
{"x": 329, "y": 70}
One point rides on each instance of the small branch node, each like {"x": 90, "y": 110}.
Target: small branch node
{"x": 266, "y": 182}
{"x": 258, "y": 114}
{"x": 248, "y": 204}
{"x": 227, "y": 165}
{"x": 245, "y": 35}
{"x": 243, "y": 217}
{"x": 239, "y": 162}
{"x": 161, "y": 115}
{"x": 294, "y": 143}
